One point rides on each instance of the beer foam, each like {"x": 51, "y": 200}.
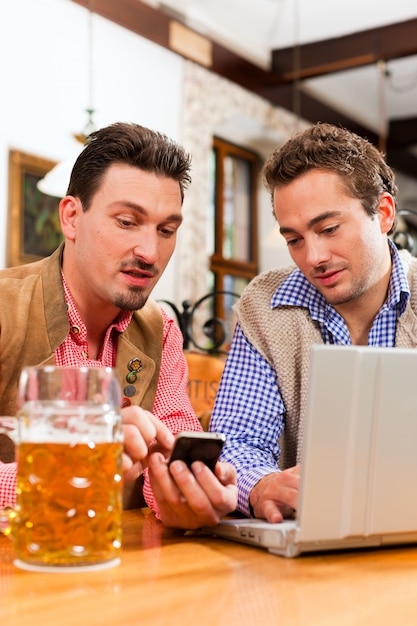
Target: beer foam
{"x": 86, "y": 424}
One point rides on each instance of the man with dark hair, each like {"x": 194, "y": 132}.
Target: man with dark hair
{"x": 88, "y": 305}
{"x": 333, "y": 197}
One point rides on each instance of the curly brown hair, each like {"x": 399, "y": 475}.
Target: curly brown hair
{"x": 361, "y": 166}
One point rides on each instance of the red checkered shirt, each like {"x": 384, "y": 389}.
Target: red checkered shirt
{"x": 171, "y": 404}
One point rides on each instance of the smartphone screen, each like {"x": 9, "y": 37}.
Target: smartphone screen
{"x": 193, "y": 446}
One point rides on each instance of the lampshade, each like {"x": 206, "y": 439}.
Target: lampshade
{"x": 55, "y": 182}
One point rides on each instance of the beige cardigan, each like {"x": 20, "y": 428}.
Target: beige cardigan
{"x": 284, "y": 336}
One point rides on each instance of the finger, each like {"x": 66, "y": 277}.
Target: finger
{"x": 291, "y": 476}
{"x": 131, "y": 470}
{"x": 294, "y": 471}
{"x": 162, "y": 434}
{"x": 205, "y": 494}
{"x": 221, "y": 492}
{"x": 150, "y": 426}
{"x": 182, "y": 500}
{"x": 140, "y": 429}
{"x": 226, "y": 473}
{"x": 134, "y": 444}
{"x": 163, "y": 486}
{"x": 275, "y": 495}
{"x": 188, "y": 483}
{"x": 173, "y": 508}
{"x": 187, "y": 488}
{"x": 287, "y": 497}
{"x": 270, "y": 511}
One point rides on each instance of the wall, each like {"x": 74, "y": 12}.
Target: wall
{"x": 215, "y": 106}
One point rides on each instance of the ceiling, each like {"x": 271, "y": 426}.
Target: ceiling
{"x": 350, "y": 62}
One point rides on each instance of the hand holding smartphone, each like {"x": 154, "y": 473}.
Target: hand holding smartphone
{"x": 193, "y": 446}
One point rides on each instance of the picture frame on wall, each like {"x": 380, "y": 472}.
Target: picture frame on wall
{"x": 33, "y": 227}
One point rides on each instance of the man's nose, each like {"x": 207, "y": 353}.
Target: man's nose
{"x": 317, "y": 251}
{"x": 147, "y": 247}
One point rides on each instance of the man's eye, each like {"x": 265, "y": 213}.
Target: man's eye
{"x": 125, "y": 223}
{"x": 331, "y": 229}
{"x": 292, "y": 242}
{"x": 167, "y": 232}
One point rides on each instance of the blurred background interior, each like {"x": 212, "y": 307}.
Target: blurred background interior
{"x": 230, "y": 79}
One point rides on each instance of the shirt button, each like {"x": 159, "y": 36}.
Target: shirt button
{"x": 75, "y": 330}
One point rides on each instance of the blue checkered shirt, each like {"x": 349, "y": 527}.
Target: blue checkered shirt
{"x": 249, "y": 408}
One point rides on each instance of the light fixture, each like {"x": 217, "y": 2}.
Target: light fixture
{"x": 55, "y": 182}
{"x": 382, "y": 99}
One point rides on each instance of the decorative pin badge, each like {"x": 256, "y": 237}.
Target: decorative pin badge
{"x": 135, "y": 365}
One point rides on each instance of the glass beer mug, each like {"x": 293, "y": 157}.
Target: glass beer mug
{"x": 69, "y": 445}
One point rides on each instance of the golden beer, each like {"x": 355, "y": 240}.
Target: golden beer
{"x": 69, "y": 503}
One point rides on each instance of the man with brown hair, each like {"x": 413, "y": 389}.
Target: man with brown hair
{"x": 333, "y": 197}
{"x": 88, "y": 305}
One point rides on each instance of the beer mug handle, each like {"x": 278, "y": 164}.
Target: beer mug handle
{"x": 7, "y": 516}
{"x": 8, "y": 439}
{"x": 8, "y": 426}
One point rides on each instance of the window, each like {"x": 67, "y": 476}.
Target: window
{"x": 234, "y": 247}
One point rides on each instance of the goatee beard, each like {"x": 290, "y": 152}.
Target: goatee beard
{"x": 132, "y": 301}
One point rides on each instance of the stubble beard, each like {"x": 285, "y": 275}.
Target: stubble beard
{"x": 354, "y": 293}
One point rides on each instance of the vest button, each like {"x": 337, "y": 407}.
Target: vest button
{"x": 129, "y": 391}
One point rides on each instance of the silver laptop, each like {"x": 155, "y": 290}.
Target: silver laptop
{"x": 359, "y": 471}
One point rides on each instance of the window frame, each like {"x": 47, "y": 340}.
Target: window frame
{"x": 219, "y": 265}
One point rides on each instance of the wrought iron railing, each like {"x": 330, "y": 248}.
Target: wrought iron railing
{"x": 215, "y": 331}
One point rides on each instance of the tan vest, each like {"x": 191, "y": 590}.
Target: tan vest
{"x": 284, "y": 337}
{"x": 34, "y": 322}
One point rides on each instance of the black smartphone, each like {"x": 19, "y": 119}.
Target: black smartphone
{"x": 193, "y": 446}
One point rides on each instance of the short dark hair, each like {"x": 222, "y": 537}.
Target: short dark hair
{"x": 361, "y": 166}
{"x": 129, "y": 144}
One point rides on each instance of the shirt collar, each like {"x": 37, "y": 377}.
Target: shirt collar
{"x": 296, "y": 290}
{"x": 120, "y": 324}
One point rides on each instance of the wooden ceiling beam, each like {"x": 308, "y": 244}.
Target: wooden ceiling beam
{"x": 341, "y": 53}
{"x": 134, "y": 15}
{"x": 404, "y": 130}
{"x": 402, "y": 161}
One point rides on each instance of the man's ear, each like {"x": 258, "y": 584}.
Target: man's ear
{"x": 69, "y": 209}
{"x": 386, "y": 212}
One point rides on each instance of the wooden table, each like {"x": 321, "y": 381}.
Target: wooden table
{"x": 167, "y": 578}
